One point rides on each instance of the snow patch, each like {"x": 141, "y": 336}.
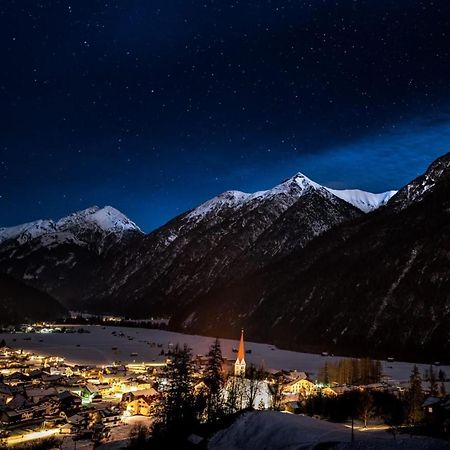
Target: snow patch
{"x": 188, "y": 321}
{"x": 365, "y": 201}
{"x": 276, "y": 431}
{"x": 27, "y": 231}
{"x": 107, "y": 219}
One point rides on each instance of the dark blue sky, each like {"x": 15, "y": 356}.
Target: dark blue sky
{"x": 154, "y": 106}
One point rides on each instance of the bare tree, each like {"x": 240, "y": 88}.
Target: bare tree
{"x": 276, "y": 391}
{"x": 366, "y": 406}
{"x": 234, "y": 398}
{"x": 255, "y": 376}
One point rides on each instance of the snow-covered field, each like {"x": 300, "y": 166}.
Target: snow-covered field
{"x": 101, "y": 347}
{"x": 276, "y": 431}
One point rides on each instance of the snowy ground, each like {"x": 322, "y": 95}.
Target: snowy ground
{"x": 276, "y": 431}
{"x": 98, "y": 348}
{"x": 118, "y": 439}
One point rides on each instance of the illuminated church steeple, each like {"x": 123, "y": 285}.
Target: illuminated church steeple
{"x": 239, "y": 365}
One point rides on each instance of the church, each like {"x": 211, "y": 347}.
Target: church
{"x": 239, "y": 365}
{"x": 242, "y": 387}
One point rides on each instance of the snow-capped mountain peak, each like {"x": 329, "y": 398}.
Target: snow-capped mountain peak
{"x": 107, "y": 220}
{"x": 365, "y": 201}
{"x": 291, "y": 189}
{"x": 294, "y": 187}
{"x": 299, "y": 180}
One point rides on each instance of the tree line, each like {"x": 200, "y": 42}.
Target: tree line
{"x": 394, "y": 408}
{"x": 351, "y": 371}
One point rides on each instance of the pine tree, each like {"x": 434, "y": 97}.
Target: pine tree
{"x": 176, "y": 411}
{"x": 356, "y": 372}
{"x": 214, "y": 381}
{"x": 378, "y": 371}
{"x": 415, "y": 396}
{"x": 432, "y": 382}
{"x": 326, "y": 375}
{"x": 442, "y": 390}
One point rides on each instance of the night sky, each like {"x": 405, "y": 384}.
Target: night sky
{"x": 154, "y": 106}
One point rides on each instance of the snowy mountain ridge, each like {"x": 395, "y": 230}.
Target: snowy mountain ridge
{"x": 365, "y": 201}
{"x": 110, "y": 220}
{"x": 106, "y": 220}
{"x": 425, "y": 184}
{"x": 296, "y": 186}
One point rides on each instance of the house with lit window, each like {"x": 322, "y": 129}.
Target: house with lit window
{"x": 139, "y": 403}
{"x": 301, "y": 386}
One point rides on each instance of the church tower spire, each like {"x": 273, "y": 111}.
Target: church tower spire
{"x": 239, "y": 365}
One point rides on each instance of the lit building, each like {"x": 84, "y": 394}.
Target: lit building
{"x": 239, "y": 365}
{"x": 302, "y": 387}
{"x": 139, "y": 402}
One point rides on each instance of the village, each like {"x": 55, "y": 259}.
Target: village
{"x": 43, "y": 396}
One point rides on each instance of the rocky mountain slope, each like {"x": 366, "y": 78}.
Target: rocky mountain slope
{"x": 63, "y": 258}
{"x": 19, "y": 303}
{"x": 223, "y": 239}
{"x": 99, "y": 260}
{"x": 379, "y": 284}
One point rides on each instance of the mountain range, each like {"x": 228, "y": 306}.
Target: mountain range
{"x": 64, "y": 258}
{"x": 300, "y": 265}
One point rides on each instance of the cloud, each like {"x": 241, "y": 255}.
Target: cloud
{"x": 379, "y": 163}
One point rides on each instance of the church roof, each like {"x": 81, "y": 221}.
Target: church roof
{"x": 241, "y": 351}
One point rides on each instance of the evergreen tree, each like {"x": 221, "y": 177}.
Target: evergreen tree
{"x": 214, "y": 381}
{"x": 365, "y": 369}
{"x": 176, "y": 411}
{"x": 356, "y": 374}
{"x": 378, "y": 371}
{"x": 326, "y": 375}
{"x": 351, "y": 371}
{"x": 442, "y": 390}
{"x": 432, "y": 382}
{"x": 415, "y": 396}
